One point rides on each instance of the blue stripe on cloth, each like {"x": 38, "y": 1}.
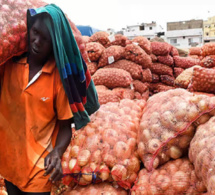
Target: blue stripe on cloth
{"x": 68, "y": 69}
{"x": 74, "y": 68}
{"x": 32, "y": 12}
{"x": 64, "y": 72}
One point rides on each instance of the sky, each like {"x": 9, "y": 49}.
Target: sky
{"x": 117, "y": 14}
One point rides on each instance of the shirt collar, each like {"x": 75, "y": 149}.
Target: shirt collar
{"x": 48, "y": 66}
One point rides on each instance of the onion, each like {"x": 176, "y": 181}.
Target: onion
{"x": 153, "y": 145}
{"x": 87, "y": 174}
{"x": 163, "y": 181}
{"x": 180, "y": 181}
{"x": 175, "y": 152}
{"x": 109, "y": 160}
{"x": 104, "y": 172}
{"x": 83, "y": 157}
{"x": 96, "y": 156}
{"x": 110, "y": 136}
{"x": 122, "y": 150}
{"x": 119, "y": 173}
{"x": 132, "y": 164}
{"x": 79, "y": 140}
{"x": 74, "y": 151}
{"x": 132, "y": 143}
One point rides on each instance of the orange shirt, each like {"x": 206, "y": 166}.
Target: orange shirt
{"x": 28, "y": 122}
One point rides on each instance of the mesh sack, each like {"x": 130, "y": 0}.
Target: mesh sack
{"x": 106, "y": 95}
{"x": 201, "y": 153}
{"x": 203, "y": 80}
{"x": 92, "y": 67}
{"x": 86, "y": 39}
{"x": 175, "y": 177}
{"x": 195, "y": 51}
{"x": 160, "y": 48}
{"x": 161, "y": 69}
{"x": 167, "y": 60}
{"x": 101, "y": 37}
{"x": 110, "y": 55}
{"x": 185, "y": 62}
{"x": 174, "y": 51}
{"x": 105, "y": 149}
{"x": 153, "y": 57}
{"x": 134, "y": 69}
{"x": 208, "y": 61}
{"x": 136, "y": 54}
{"x": 13, "y": 29}
{"x": 167, "y": 80}
{"x": 184, "y": 79}
{"x": 167, "y": 126}
{"x": 124, "y": 93}
{"x": 112, "y": 77}
{"x": 208, "y": 49}
{"x": 3, "y": 190}
{"x": 177, "y": 71}
{"x": 155, "y": 78}
{"x": 139, "y": 86}
{"x": 194, "y": 56}
{"x": 94, "y": 50}
{"x": 118, "y": 40}
{"x": 146, "y": 75}
{"x": 144, "y": 43}
{"x": 159, "y": 87}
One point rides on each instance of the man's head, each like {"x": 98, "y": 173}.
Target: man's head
{"x": 40, "y": 42}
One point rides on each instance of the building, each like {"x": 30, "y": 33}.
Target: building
{"x": 209, "y": 30}
{"x": 185, "y": 34}
{"x": 148, "y": 30}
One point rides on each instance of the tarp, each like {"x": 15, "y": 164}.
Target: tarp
{"x": 87, "y": 30}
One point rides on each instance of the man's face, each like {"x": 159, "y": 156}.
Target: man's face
{"x": 40, "y": 41}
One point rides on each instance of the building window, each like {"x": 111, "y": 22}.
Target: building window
{"x": 207, "y": 34}
{"x": 183, "y": 37}
{"x": 173, "y": 41}
{"x": 190, "y": 40}
{"x": 150, "y": 28}
{"x": 142, "y": 28}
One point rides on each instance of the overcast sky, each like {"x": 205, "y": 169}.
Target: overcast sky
{"x": 117, "y": 14}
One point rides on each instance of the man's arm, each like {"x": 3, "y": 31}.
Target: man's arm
{"x": 53, "y": 160}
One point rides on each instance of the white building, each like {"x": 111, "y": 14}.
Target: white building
{"x": 185, "y": 34}
{"x": 148, "y": 30}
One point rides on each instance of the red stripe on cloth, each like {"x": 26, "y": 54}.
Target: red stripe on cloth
{"x": 84, "y": 100}
{"x": 73, "y": 108}
{"x": 88, "y": 78}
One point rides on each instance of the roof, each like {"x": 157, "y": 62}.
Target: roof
{"x": 87, "y": 30}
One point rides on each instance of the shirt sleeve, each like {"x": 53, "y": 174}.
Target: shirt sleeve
{"x": 62, "y": 105}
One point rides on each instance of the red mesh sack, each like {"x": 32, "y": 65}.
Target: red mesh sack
{"x": 94, "y": 50}
{"x": 167, "y": 126}
{"x": 137, "y": 95}
{"x": 175, "y": 177}
{"x": 13, "y": 28}
{"x": 177, "y": 71}
{"x": 155, "y": 78}
{"x": 208, "y": 49}
{"x": 161, "y": 69}
{"x": 92, "y": 67}
{"x": 153, "y": 57}
{"x": 185, "y": 62}
{"x": 159, "y": 87}
{"x": 174, "y": 51}
{"x": 203, "y": 80}
{"x": 184, "y": 79}
{"x": 167, "y": 80}
{"x": 110, "y": 55}
{"x": 124, "y": 93}
{"x": 112, "y": 77}
{"x": 201, "y": 153}
{"x": 105, "y": 149}
{"x": 195, "y": 51}
{"x": 105, "y": 95}
{"x": 146, "y": 75}
{"x": 96, "y": 189}
{"x": 160, "y": 48}
{"x": 194, "y": 56}
{"x": 167, "y": 60}
{"x": 136, "y": 54}
{"x": 86, "y": 39}
{"x": 139, "y": 86}
{"x": 118, "y": 40}
{"x": 208, "y": 61}
{"x": 101, "y": 37}
{"x": 134, "y": 69}
{"x": 144, "y": 43}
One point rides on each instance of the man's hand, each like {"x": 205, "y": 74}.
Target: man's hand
{"x": 53, "y": 166}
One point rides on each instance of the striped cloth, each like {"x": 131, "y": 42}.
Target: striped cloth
{"x": 74, "y": 74}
